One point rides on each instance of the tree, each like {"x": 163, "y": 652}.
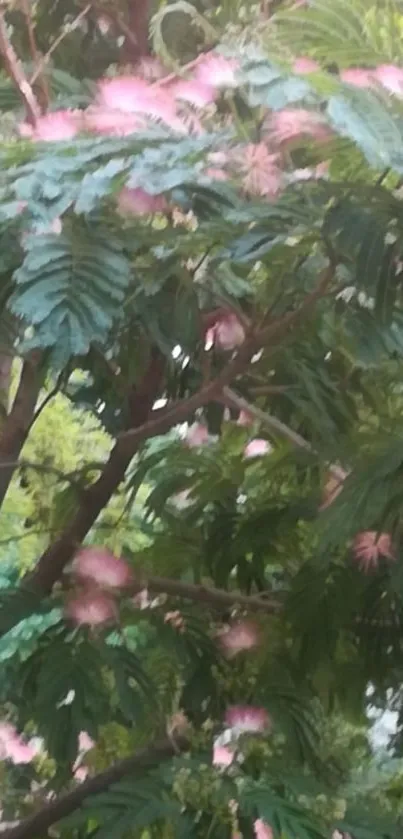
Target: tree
{"x": 218, "y": 246}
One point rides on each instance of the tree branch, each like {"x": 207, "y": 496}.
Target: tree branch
{"x": 65, "y": 31}
{"x": 18, "y": 422}
{"x": 36, "y": 58}
{"x": 14, "y": 69}
{"x": 52, "y": 563}
{"x": 215, "y": 597}
{"x": 37, "y": 825}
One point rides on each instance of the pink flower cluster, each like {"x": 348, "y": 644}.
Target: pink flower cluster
{"x": 13, "y": 747}
{"x": 85, "y": 744}
{"x": 246, "y": 719}
{"x": 227, "y": 333}
{"x": 126, "y": 104}
{"x": 369, "y": 546}
{"x": 241, "y": 636}
{"x": 388, "y": 76}
{"x": 239, "y": 720}
{"x": 99, "y": 573}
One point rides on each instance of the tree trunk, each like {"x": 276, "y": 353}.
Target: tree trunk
{"x": 137, "y": 20}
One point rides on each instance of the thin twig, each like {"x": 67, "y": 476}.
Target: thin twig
{"x": 48, "y": 398}
{"x": 231, "y": 398}
{"x": 65, "y": 31}
{"x": 15, "y": 71}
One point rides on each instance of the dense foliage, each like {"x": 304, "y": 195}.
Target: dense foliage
{"x": 201, "y": 351}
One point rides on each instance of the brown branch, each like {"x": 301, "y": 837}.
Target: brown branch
{"x": 18, "y": 422}
{"x": 36, "y": 57}
{"x": 37, "y": 825}
{"x": 215, "y": 597}
{"x": 95, "y": 498}
{"x": 137, "y": 24}
{"x": 14, "y": 69}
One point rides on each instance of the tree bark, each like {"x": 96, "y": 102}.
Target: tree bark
{"x": 95, "y": 498}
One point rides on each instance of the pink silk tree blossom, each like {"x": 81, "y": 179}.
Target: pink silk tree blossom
{"x": 92, "y": 608}
{"x": 113, "y": 123}
{"x": 369, "y": 546}
{"x": 13, "y": 747}
{"x": 257, "y": 448}
{"x": 100, "y": 566}
{"x": 260, "y": 171}
{"x": 262, "y": 830}
{"x": 390, "y": 77}
{"x": 293, "y": 124}
{"x": 197, "y": 435}
{"x": 223, "y": 756}
{"x": 54, "y": 127}
{"x": 216, "y": 71}
{"x": 243, "y": 635}
{"x": 357, "y": 77}
{"x": 247, "y": 719}
{"x": 305, "y": 65}
{"x": 195, "y": 92}
{"x": 227, "y": 333}
{"x": 138, "y": 202}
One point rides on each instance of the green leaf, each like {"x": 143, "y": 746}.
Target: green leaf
{"x": 70, "y": 288}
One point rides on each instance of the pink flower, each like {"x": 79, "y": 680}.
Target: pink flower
{"x": 222, "y": 756}
{"x": 215, "y": 70}
{"x": 295, "y": 123}
{"x": 257, "y": 448}
{"x": 81, "y": 773}
{"x": 369, "y": 546}
{"x": 261, "y": 174}
{"x": 245, "y": 718}
{"x": 55, "y": 126}
{"x": 85, "y": 742}
{"x": 305, "y": 65}
{"x": 241, "y": 636}
{"x": 92, "y": 608}
{"x": 262, "y": 830}
{"x": 390, "y": 77}
{"x": 133, "y": 95}
{"x": 125, "y": 93}
{"x": 20, "y": 752}
{"x": 12, "y": 746}
{"x": 227, "y": 333}
{"x": 196, "y": 435}
{"x": 358, "y": 77}
{"x": 196, "y": 93}
{"x": 113, "y": 123}
{"x": 100, "y": 566}
{"x": 138, "y": 202}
